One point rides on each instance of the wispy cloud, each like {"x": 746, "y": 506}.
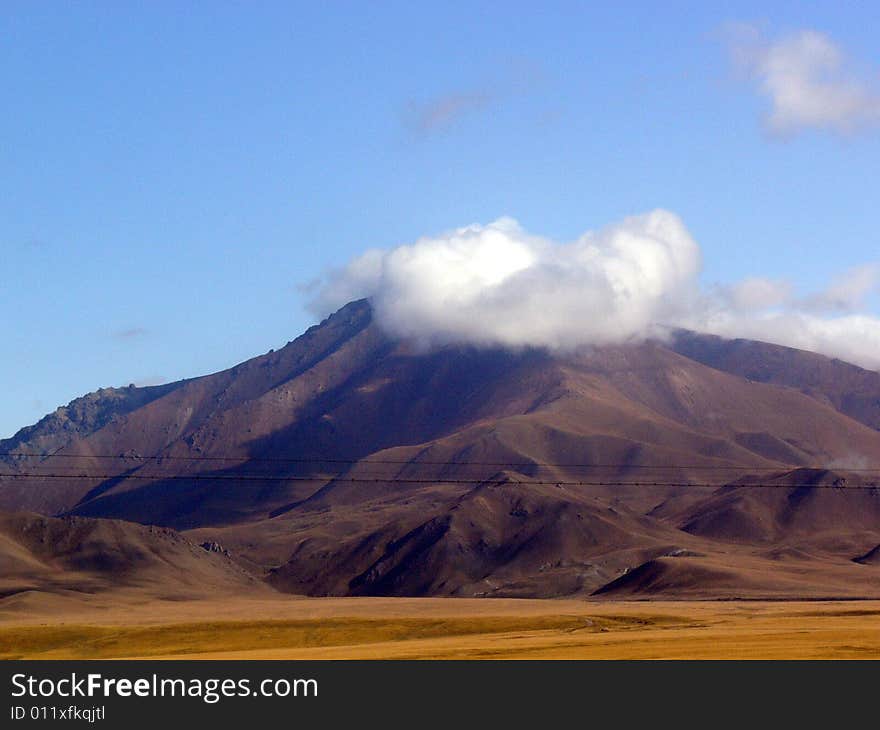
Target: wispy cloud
{"x": 513, "y": 78}
{"x": 442, "y": 112}
{"x": 847, "y": 292}
{"x": 808, "y": 80}
{"x": 130, "y": 333}
{"x": 756, "y": 293}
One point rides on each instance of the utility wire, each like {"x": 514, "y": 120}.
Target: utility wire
{"x": 398, "y": 480}
{"x": 416, "y": 462}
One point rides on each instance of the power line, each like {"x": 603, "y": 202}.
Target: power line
{"x": 414, "y": 462}
{"x": 399, "y": 480}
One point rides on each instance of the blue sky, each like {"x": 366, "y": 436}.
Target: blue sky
{"x": 173, "y": 173}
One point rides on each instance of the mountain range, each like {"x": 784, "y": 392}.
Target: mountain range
{"x": 351, "y": 463}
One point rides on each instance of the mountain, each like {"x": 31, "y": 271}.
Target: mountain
{"x": 348, "y": 462}
{"x": 80, "y": 418}
{"x": 848, "y": 388}
{"x": 82, "y": 555}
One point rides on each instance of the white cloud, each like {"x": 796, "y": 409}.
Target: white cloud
{"x": 853, "y": 337}
{"x": 808, "y": 80}
{"x": 757, "y": 293}
{"x": 497, "y": 284}
{"x": 847, "y": 291}
{"x": 827, "y": 322}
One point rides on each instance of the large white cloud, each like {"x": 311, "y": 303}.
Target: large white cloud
{"x": 499, "y": 285}
{"x": 808, "y": 81}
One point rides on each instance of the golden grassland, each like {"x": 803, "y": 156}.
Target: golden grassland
{"x": 437, "y": 628}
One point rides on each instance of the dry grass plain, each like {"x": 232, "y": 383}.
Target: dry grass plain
{"x": 102, "y": 627}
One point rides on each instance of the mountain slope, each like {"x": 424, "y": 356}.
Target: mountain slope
{"x": 79, "y": 418}
{"x": 848, "y": 388}
{"x": 76, "y": 554}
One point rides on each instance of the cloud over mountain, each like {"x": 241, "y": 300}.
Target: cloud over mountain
{"x": 497, "y": 284}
